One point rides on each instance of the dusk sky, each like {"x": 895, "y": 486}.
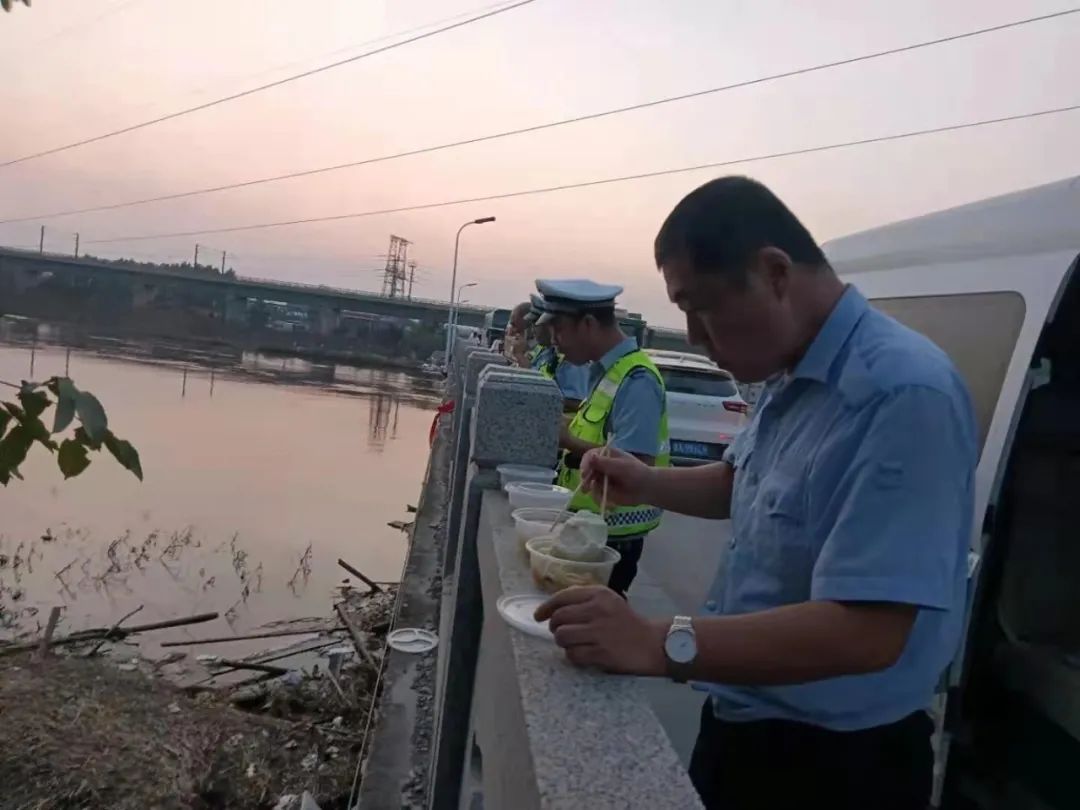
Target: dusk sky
{"x": 75, "y": 68}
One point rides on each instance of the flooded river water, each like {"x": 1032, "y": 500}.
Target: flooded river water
{"x": 258, "y": 477}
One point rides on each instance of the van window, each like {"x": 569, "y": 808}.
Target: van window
{"x": 977, "y": 330}
{"x": 701, "y": 383}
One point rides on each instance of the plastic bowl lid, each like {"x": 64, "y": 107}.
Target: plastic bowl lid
{"x": 412, "y": 640}
{"x": 535, "y": 487}
{"x": 524, "y": 469}
{"x": 536, "y": 514}
{"x": 517, "y": 610}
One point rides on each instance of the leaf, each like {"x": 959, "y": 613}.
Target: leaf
{"x": 125, "y": 453}
{"x": 13, "y": 448}
{"x": 37, "y": 431}
{"x": 63, "y": 387}
{"x": 4, "y": 419}
{"x": 34, "y": 403}
{"x": 72, "y": 458}
{"x": 92, "y": 415}
{"x": 65, "y": 412}
{"x": 84, "y": 438}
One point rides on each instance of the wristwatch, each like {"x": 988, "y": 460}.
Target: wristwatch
{"x": 680, "y": 648}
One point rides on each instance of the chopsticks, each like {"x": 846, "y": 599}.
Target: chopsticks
{"x": 577, "y": 491}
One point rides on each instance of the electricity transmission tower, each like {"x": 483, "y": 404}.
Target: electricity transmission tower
{"x": 396, "y": 275}
{"x": 412, "y": 277}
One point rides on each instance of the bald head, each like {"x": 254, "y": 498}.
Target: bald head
{"x": 517, "y": 317}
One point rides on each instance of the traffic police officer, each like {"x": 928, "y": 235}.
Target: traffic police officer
{"x": 626, "y": 400}
{"x": 572, "y": 378}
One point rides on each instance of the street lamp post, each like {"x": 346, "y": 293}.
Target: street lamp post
{"x": 457, "y": 302}
{"x": 452, "y": 319}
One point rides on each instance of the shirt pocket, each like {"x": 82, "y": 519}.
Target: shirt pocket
{"x": 781, "y": 541}
{"x": 594, "y": 414}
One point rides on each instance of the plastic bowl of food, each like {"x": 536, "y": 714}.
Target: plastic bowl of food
{"x": 531, "y": 494}
{"x": 534, "y": 521}
{"x": 511, "y": 473}
{"x": 553, "y": 574}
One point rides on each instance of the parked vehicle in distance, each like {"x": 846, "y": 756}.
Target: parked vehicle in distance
{"x": 705, "y": 410}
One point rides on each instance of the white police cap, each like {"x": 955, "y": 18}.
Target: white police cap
{"x": 572, "y": 297}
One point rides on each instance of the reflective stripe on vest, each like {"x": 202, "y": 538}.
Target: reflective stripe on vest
{"x": 589, "y": 425}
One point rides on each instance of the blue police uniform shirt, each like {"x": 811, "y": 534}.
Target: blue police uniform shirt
{"x": 854, "y": 482}
{"x": 543, "y": 357}
{"x": 638, "y": 406}
{"x": 572, "y": 379}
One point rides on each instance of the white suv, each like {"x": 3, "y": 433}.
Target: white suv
{"x": 705, "y": 410}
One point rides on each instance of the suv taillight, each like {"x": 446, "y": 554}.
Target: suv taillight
{"x": 735, "y": 407}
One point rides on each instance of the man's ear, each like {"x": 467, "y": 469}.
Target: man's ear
{"x": 775, "y": 267}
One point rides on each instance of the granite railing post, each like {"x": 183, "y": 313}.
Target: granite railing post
{"x": 471, "y": 363}
{"x": 516, "y": 419}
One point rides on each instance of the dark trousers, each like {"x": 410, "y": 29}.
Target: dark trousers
{"x": 626, "y": 568}
{"x": 781, "y": 764}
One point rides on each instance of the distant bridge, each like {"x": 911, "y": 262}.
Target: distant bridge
{"x": 325, "y": 303}
{"x": 229, "y": 296}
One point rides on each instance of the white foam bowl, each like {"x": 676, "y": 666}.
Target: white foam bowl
{"x": 530, "y": 493}
{"x": 552, "y": 574}
{"x": 511, "y": 473}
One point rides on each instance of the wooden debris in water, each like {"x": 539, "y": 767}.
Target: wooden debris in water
{"x": 375, "y": 588}
{"x": 357, "y": 637}
{"x": 248, "y": 636}
{"x": 110, "y": 633}
{"x": 50, "y": 628}
{"x": 113, "y": 629}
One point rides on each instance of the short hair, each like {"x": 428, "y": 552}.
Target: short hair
{"x": 719, "y": 226}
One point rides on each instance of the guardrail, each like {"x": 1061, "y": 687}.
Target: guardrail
{"x": 511, "y": 724}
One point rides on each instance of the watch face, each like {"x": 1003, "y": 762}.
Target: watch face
{"x": 680, "y": 646}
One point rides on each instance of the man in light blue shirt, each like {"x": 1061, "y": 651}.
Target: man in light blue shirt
{"x": 851, "y": 494}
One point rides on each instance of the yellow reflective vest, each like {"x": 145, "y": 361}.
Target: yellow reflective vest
{"x": 589, "y": 425}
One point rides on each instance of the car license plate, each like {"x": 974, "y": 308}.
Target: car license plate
{"x": 690, "y": 449}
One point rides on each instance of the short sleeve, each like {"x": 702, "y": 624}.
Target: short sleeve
{"x": 573, "y": 380}
{"x": 904, "y": 504}
{"x": 636, "y": 414}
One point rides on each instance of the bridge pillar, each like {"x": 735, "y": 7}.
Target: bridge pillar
{"x": 24, "y": 279}
{"x": 327, "y": 320}
{"x": 235, "y": 309}
{"x": 143, "y": 294}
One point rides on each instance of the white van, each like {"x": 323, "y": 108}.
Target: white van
{"x": 994, "y": 284}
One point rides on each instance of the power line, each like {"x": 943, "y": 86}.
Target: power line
{"x": 82, "y": 25}
{"x": 607, "y": 180}
{"x": 549, "y": 125}
{"x": 366, "y": 43}
{"x": 251, "y": 91}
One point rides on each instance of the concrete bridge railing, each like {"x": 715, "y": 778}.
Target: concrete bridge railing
{"x": 509, "y": 723}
